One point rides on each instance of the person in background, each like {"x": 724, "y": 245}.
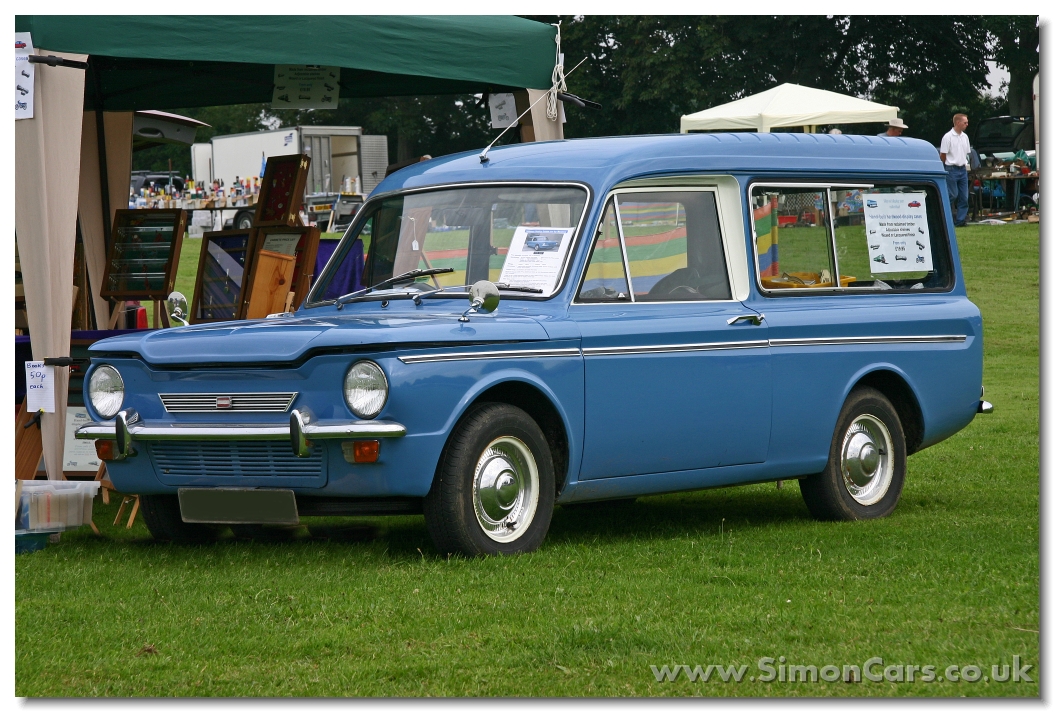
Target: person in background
{"x": 955, "y": 154}
{"x": 895, "y": 127}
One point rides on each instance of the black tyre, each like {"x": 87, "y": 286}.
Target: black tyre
{"x": 866, "y": 465}
{"x": 243, "y": 221}
{"x": 494, "y": 488}
{"x": 162, "y": 518}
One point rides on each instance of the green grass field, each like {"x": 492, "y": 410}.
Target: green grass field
{"x": 717, "y": 577}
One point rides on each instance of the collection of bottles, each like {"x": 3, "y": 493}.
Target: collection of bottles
{"x": 151, "y": 193}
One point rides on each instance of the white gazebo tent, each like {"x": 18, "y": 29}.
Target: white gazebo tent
{"x": 788, "y": 105}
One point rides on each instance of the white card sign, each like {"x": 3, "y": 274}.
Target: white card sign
{"x": 282, "y": 244}
{"x": 78, "y": 455}
{"x": 502, "y": 111}
{"x": 535, "y": 257}
{"x": 40, "y": 387}
{"x": 305, "y": 86}
{"x": 25, "y": 76}
{"x": 898, "y": 238}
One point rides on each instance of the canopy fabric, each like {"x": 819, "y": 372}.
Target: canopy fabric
{"x": 787, "y": 105}
{"x": 171, "y": 62}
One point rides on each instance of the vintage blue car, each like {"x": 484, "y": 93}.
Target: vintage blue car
{"x": 681, "y": 341}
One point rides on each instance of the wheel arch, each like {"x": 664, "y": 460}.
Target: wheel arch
{"x": 893, "y": 384}
{"x": 522, "y": 390}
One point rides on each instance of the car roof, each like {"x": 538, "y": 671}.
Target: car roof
{"x": 603, "y": 162}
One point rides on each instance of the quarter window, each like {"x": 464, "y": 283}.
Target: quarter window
{"x": 875, "y": 238}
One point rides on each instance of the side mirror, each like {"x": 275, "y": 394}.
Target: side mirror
{"x": 483, "y": 298}
{"x": 176, "y": 304}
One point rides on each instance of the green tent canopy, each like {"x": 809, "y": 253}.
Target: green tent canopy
{"x": 159, "y": 62}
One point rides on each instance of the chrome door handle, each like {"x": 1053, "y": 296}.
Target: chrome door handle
{"x": 754, "y": 319}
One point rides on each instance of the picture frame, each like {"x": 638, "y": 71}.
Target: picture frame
{"x": 143, "y": 255}
{"x": 300, "y": 242}
{"x": 220, "y": 283}
{"x": 282, "y": 190}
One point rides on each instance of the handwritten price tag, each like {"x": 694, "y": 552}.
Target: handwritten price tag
{"x": 40, "y": 387}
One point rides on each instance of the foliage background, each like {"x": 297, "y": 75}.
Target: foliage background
{"x": 647, "y": 71}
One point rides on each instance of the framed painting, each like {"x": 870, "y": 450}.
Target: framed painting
{"x": 299, "y": 243}
{"x": 282, "y": 190}
{"x": 221, "y": 275}
{"x": 143, "y": 254}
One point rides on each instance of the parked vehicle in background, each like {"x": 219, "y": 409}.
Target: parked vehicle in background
{"x": 680, "y": 338}
{"x": 1005, "y": 134}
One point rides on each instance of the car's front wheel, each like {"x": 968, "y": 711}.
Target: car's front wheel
{"x": 494, "y": 487}
{"x": 866, "y": 464}
{"x": 162, "y": 517}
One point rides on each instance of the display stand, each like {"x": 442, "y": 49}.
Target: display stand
{"x": 220, "y": 283}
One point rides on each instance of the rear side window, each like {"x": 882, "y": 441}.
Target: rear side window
{"x": 878, "y": 238}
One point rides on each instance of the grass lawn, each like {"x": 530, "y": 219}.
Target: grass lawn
{"x": 715, "y": 577}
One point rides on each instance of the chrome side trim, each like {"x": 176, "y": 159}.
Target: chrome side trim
{"x": 872, "y": 340}
{"x": 673, "y": 348}
{"x": 480, "y": 355}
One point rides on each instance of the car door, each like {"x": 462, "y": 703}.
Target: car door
{"x": 677, "y": 373}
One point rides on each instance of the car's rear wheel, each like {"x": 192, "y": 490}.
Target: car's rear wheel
{"x": 866, "y": 464}
{"x": 162, "y": 517}
{"x": 494, "y": 487}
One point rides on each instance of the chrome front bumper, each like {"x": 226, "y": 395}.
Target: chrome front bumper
{"x": 127, "y": 427}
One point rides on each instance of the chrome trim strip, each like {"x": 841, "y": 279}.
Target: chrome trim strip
{"x": 240, "y": 402}
{"x": 873, "y": 340}
{"x": 673, "y": 348}
{"x": 481, "y": 355}
{"x": 243, "y": 431}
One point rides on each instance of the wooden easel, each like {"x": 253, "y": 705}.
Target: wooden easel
{"x": 105, "y": 487}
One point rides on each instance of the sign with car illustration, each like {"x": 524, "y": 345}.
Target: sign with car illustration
{"x": 897, "y": 232}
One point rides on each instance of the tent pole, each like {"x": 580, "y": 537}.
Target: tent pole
{"x": 100, "y": 133}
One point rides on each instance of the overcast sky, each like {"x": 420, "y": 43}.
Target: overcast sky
{"x": 996, "y": 76}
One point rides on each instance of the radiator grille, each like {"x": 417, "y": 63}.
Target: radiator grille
{"x": 227, "y": 402}
{"x": 232, "y": 458}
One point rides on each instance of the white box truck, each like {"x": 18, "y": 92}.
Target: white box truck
{"x": 342, "y": 160}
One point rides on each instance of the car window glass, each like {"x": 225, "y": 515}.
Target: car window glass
{"x": 605, "y": 279}
{"x": 673, "y": 246}
{"x": 791, "y": 237}
{"x": 917, "y": 260}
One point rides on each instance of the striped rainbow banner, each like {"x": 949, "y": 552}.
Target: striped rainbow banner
{"x": 766, "y": 230}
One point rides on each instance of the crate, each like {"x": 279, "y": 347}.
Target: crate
{"x": 55, "y": 505}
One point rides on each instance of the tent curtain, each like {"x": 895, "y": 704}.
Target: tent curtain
{"x": 118, "y": 127}
{"x": 47, "y": 165}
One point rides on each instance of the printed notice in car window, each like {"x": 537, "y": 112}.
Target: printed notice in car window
{"x": 535, "y": 257}
{"x": 898, "y": 234}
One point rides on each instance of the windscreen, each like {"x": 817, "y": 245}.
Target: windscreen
{"x": 516, "y": 236}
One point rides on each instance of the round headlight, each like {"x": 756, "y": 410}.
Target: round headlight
{"x": 365, "y": 389}
{"x": 106, "y": 390}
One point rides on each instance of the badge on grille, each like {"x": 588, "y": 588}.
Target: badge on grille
{"x": 223, "y": 402}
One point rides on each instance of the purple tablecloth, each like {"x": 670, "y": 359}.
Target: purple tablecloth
{"x": 349, "y": 277}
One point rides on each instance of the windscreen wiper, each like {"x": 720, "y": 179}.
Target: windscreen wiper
{"x": 405, "y": 276}
{"x": 514, "y": 288}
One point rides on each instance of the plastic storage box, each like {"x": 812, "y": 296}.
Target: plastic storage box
{"x": 55, "y": 505}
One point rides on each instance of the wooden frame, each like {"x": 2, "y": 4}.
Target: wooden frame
{"x": 130, "y": 255}
{"x": 274, "y": 240}
{"x": 209, "y": 282}
{"x": 282, "y": 190}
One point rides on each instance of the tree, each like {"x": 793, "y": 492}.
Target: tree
{"x": 1015, "y": 41}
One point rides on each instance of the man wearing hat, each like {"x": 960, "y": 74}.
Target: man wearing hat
{"x": 895, "y": 127}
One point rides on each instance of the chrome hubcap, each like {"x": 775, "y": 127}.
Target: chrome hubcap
{"x": 867, "y": 459}
{"x": 505, "y": 489}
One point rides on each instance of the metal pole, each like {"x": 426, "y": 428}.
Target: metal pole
{"x": 100, "y": 133}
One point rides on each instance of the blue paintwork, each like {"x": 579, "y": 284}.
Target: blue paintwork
{"x": 634, "y": 424}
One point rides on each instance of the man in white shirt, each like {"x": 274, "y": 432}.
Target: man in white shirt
{"x": 955, "y": 154}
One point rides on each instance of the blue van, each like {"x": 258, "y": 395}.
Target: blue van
{"x": 715, "y": 314}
